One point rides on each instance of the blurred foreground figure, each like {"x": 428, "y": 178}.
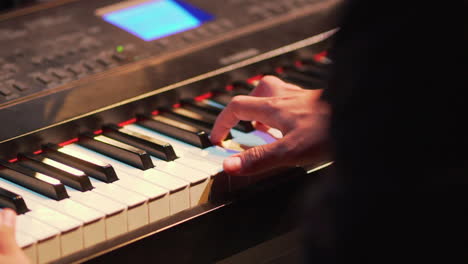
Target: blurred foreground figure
{"x": 10, "y": 253}
{"x": 393, "y": 120}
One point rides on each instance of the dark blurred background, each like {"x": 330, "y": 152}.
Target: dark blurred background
{"x": 6, "y": 5}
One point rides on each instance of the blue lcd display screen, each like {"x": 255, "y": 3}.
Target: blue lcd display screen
{"x": 158, "y": 18}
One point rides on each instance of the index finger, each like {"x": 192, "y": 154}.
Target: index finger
{"x": 270, "y": 86}
{"x": 247, "y": 108}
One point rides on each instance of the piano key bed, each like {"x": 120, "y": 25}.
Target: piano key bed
{"x": 117, "y": 181}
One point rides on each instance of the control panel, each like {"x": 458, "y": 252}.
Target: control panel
{"x": 49, "y": 48}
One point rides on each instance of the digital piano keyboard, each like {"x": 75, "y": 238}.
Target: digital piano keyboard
{"x": 106, "y": 109}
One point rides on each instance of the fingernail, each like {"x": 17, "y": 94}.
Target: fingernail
{"x": 9, "y": 217}
{"x": 232, "y": 164}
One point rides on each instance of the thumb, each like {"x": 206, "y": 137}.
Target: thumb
{"x": 7, "y": 231}
{"x": 257, "y": 159}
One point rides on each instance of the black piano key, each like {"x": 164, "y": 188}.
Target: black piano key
{"x": 314, "y": 70}
{"x": 202, "y": 105}
{"x": 309, "y": 61}
{"x": 245, "y": 86}
{"x": 123, "y": 152}
{"x": 208, "y": 112}
{"x": 201, "y": 123}
{"x": 155, "y": 147}
{"x": 208, "y": 119}
{"x": 29, "y": 179}
{"x": 194, "y": 113}
{"x": 12, "y": 200}
{"x": 34, "y": 162}
{"x": 103, "y": 172}
{"x": 222, "y": 98}
{"x": 176, "y": 129}
{"x": 305, "y": 81}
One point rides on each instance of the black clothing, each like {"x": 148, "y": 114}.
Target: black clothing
{"x": 399, "y": 133}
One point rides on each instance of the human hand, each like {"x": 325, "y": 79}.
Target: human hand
{"x": 10, "y": 252}
{"x": 298, "y": 113}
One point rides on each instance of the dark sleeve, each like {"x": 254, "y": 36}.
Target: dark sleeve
{"x": 399, "y": 131}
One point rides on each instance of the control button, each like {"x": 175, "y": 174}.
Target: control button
{"x": 60, "y": 74}
{"x": 257, "y": 13}
{"x": 5, "y": 91}
{"x": 11, "y": 68}
{"x": 202, "y": 32}
{"x": 104, "y": 61}
{"x": 94, "y": 30}
{"x": 75, "y": 69}
{"x": 18, "y": 53}
{"x": 226, "y": 24}
{"x": 37, "y": 60}
{"x": 18, "y": 86}
{"x": 58, "y": 55}
{"x": 91, "y": 66}
{"x": 71, "y": 52}
{"x": 190, "y": 36}
{"x": 275, "y": 8}
{"x": 12, "y": 96}
{"x": 119, "y": 57}
{"x": 88, "y": 44}
{"x": 49, "y": 59}
{"x": 214, "y": 28}
{"x": 177, "y": 42}
{"x": 44, "y": 79}
{"x": 162, "y": 44}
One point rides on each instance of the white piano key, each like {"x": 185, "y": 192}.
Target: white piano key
{"x": 91, "y": 219}
{"x": 184, "y": 153}
{"x": 138, "y": 213}
{"x": 28, "y": 244}
{"x": 179, "y": 197}
{"x": 199, "y": 181}
{"x": 182, "y": 149}
{"x": 137, "y": 205}
{"x": 158, "y": 204}
{"x": 158, "y": 201}
{"x": 213, "y": 103}
{"x": 200, "y": 164}
{"x": 47, "y": 237}
{"x": 215, "y": 154}
{"x": 115, "y": 212}
{"x": 71, "y": 238}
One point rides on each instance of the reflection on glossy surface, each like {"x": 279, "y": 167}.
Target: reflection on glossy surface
{"x": 116, "y": 143}
{"x": 64, "y": 167}
{"x": 46, "y": 178}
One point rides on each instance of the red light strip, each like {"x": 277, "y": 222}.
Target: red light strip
{"x": 229, "y": 87}
{"x": 254, "y": 78}
{"x": 13, "y": 160}
{"x": 128, "y": 122}
{"x": 320, "y": 56}
{"x": 68, "y": 142}
{"x": 98, "y": 132}
{"x": 203, "y": 96}
{"x": 176, "y": 105}
{"x": 37, "y": 152}
{"x": 279, "y": 70}
{"x": 155, "y": 112}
